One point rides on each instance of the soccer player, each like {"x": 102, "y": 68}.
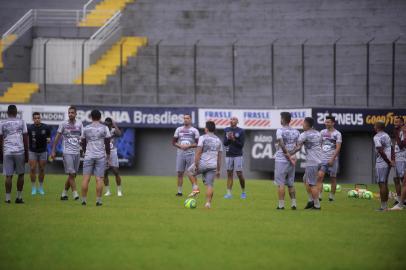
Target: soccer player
{"x": 207, "y": 161}
{"x": 400, "y": 155}
{"x": 331, "y": 147}
{"x": 311, "y": 139}
{"x": 39, "y": 136}
{"x": 287, "y": 138}
{"x": 384, "y": 153}
{"x": 234, "y": 138}
{"x": 70, "y": 132}
{"x": 185, "y": 139}
{"x": 96, "y": 145}
{"x": 115, "y": 133}
{"x": 13, "y": 151}
{"x": 401, "y": 143}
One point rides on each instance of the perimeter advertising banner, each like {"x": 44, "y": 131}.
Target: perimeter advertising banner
{"x": 252, "y": 119}
{"x": 264, "y": 147}
{"x": 50, "y": 115}
{"x": 357, "y": 119}
{"x": 147, "y": 117}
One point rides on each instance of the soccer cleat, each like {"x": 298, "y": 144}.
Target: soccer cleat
{"x": 41, "y": 191}
{"x": 320, "y": 199}
{"x": 330, "y": 199}
{"x": 243, "y": 195}
{"x": 33, "y": 191}
{"x": 108, "y": 193}
{"x": 315, "y": 208}
{"x": 84, "y": 203}
{"x": 99, "y": 204}
{"x": 228, "y": 196}
{"x": 280, "y": 208}
{"x": 396, "y": 208}
{"x": 64, "y": 198}
{"x": 119, "y": 193}
{"x": 76, "y": 198}
{"x": 179, "y": 194}
{"x": 293, "y": 207}
{"x": 7, "y": 201}
{"x": 381, "y": 209}
{"x": 19, "y": 201}
{"x": 395, "y": 203}
{"x": 309, "y": 205}
{"x": 207, "y": 205}
{"x": 194, "y": 193}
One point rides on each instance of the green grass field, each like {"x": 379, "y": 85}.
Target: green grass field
{"x": 149, "y": 228}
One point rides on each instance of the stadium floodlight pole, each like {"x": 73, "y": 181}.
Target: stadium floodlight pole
{"x": 195, "y": 70}
{"x": 233, "y": 67}
{"x": 45, "y": 71}
{"x": 394, "y": 69}
{"x": 367, "y": 72}
{"x": 272, "y": 72}
{"x": 157, "y": 70}
{"x": 335, "y": 71}
{"x": 303, "y": 71}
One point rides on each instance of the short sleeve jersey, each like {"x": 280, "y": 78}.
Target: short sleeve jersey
{"x": 12, "y": 130}
{"x": 400, "y": 154}
{"x": 311, "y": 140}
{"x": 290, "y": 137}
{"x": 211, "y": 145}
{"x": 329, "y": 143}
{"x": 382, "y": 139}
{"x": 95, "y": 133}
{"x": 186, "y": 136}
{"x": 71, "y": 136}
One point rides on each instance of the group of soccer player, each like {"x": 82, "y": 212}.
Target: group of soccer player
{"x": 97, "y": 142}
{"x": 322, "y": 150}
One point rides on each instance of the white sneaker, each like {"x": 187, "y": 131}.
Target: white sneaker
{"x": 207, "y": 205}
{"x": 108, "y": 193}
{"x": 396, "y": 208}
{"x": 119, "y": 193}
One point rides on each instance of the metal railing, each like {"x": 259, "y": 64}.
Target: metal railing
{"x": 18, "y": 29}
{"x": 109, "y": 28}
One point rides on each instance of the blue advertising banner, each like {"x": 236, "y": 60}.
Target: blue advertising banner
{"x": 147, "y": 117}
{"x": 357, "y": 119}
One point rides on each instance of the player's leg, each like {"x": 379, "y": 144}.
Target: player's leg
{"x": 312, "y": 181}
{"x": 76, "y": 164}
{"x": 8, "y": 185}
{"x": 8, "y": 171}
{"x": 118, "y": 181}
{"x": 189, "y": 163}
{"x": 333, "y": 176}
{"x": 320, "y": 179}
{"x": 208, "y": 177}
{"x": 20, "y": 170}
{"x": 67, "y": 164}
{"x": 41, "y": 175}
{"x": 107, "y": 181}
{"x": 192, "y": 174}
{"x": 230, "y": 173}
{"x": 398, "y": 189}
{"x": 308, "y": 189}
{"x": 99, "y": 169}
{"x": 239, "y": 165}
{"x": 180, "y": 169}
{"x": 291, "y": 185}
{"x": 401, "y": 200}
{"x": 88, "y": 170}
{"x": 280, "y": 179}
{"x": 382, "y": 179}
{"x": 32, "y": 162}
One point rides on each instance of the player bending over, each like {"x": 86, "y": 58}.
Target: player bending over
{"x": 287, "y": 138}
{"x": 185, "y": 140}
{"x": 39, "y": 136}
{"x": 331, "y": 147}
{"x": 311, "y": 139}
{"x": 207, "y": 160}
{"x": 96, "y": 145}
{"x": 114, "y": 165}
{"x": 234, "y": 138}
{"x": 13, "y": 151}
{"x": 70, "y": 132}
{"x": 383, "y": 150}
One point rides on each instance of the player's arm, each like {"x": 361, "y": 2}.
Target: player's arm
{"x": 107, "y": 146}
{"x": 117, "y": 131}
{"x": 240, "y": 140}
{"x": 198, "y": 155}
{"x": 25, "y": 141}
{"x": 48, "y": 134}
{"x": 1, "y": 148}
{"x": 56, "y": 140}
{"x": 336, "y": 152}
{"x": 297, "y": 148}
{"x": 383, "y": 155}
{"x": 219, "y": 156}
{"x": 226, "y": 141}
{"x": 402, "y": 143}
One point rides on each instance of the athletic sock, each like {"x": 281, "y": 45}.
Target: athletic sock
{"x": 84, "y": 199}
{"x": 293, "y": 203}
{"x": 98, "y": 199}
{"x": 107, "y": 188}
{"x": 243, "y": 190}
{"x": 194, "y": 187}
{"x": 64, "y": 193}
{"x": 384, "y": 205}
{"x": 33, "y": 185}
{"x": 331, "y": 196}
{"x": 179, "y": 189}
{"x": 118, "y": 188}
{"x": 398, "y": 198}
{"x": 310, "y": 198}
{"x": 317, "y": 203}
{"x": 320, "y": 195}
{"x": 8, "y": 196}
{"x": 281, "y": 203}
{"x": 228, "y": 191}
{"x": 19, "y": 194}
{"x": 41, "y": 184}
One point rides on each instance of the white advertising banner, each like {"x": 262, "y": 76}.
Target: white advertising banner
{"x": 50, "y": 115}
{"x": 252, "y": 119}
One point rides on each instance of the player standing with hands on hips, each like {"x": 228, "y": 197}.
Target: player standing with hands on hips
{"x": 234, "y": 139}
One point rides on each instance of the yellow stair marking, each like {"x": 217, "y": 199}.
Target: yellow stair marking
{"x": 3, "y": 43}
{"x": 19, "y": 93}
{"x": 109, "y": 62}
{"x": 102, "y": 12}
